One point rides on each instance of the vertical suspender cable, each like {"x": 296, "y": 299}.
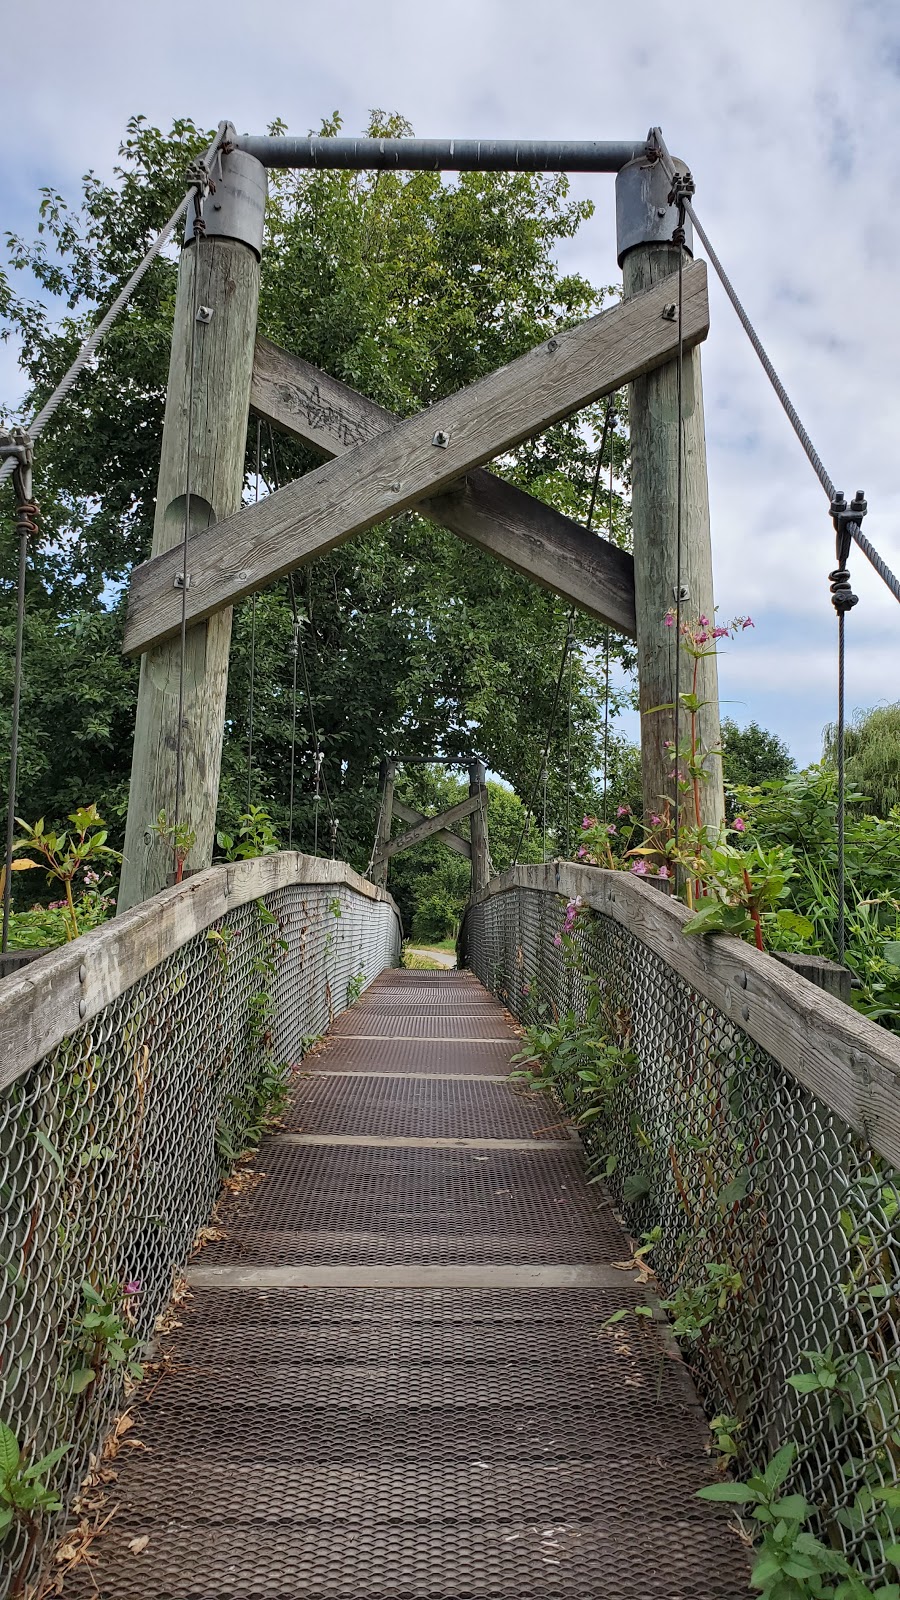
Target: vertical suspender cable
{"x": 189, "y": 446}
{"x": 26, "y": 524}
{"x": 609, "y": 522}
{"x": 679, "y": 518}
{"x": 295, "y": 653}
{"x": 841, "y": 931}
{"x": 252, "y": 690}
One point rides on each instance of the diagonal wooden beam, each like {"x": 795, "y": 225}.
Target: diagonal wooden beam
{"x": 444, "y": 836}
{"x": 430, "y": 825}
{"x": 421, "y": 455}
{"x": 524, "y": 533}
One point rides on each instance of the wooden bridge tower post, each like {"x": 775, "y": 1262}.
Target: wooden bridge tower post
{"x": 478, "y": 833}
{"x": 214, "y": 332}
{"x": 646, "y": 223}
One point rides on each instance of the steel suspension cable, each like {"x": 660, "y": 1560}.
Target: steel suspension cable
{"x": 48, "y": 410}
{"x": 815, "y": 460}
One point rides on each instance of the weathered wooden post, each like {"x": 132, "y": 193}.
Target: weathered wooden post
{"x": 481, "y": 864}
{"x": 203, "y": 452}
{"x": 385, "y": 814}
{"x": 645, "y": 224}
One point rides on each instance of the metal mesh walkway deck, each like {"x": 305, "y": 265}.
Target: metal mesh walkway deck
{"x": 393, "y": 1378}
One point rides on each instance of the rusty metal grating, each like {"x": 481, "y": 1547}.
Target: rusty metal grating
{"x": 423, "y": 1108}
{"x": 491, "y": 1056}
{"x": 455, "y": 1025}
{"x": 364, "y": 1206}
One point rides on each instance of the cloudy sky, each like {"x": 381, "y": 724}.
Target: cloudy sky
{"x": 787, "y": 112}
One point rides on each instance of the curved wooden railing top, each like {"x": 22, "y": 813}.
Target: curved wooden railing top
{"x": 54, "y": 995}
{"x": 850, "y": 1062}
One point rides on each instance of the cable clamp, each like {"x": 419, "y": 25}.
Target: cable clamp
{"x": 682, "y": 190}
{"x": 17, "y": 446}
{"x": 199, "y": 179}
{"x": 847, "y": 520}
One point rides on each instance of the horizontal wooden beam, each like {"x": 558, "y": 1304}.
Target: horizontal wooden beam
{"x": 451, "y": 840}
{"x": 421, "y": 455}
{"x": 533, "y": 538}
{"x": 851, "y": 1063}
{"x": 430, "y": 825}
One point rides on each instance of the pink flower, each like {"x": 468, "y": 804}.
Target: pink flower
{"x": 589, "y": 822}
{"x": 655, "y": 821}
{"x": 57, "y": 905}
{"x": 133, "y": 1286}
{"x": 739, "y": 825}
{"x": 747, "y": 622}
{"x": 581, "y": 852}
{"x": 703, "y": 621}
{"x": 623, "y": 811}
{"x": 720, "y": 633}
{"x": 664, "y": 872}
{"x": 526, "y": 988}
{"x": 669, "y": 619}
{"x": 639, "y": 867}
{"x": 611, "y": 828}
{"x": 557, "y": 940}
{"x": 91, "y": 877}
{"x": 701, "y": 638}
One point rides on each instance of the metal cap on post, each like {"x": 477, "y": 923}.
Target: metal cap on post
{"x": 643, "y": 212}
{"x": 236, "y": 207}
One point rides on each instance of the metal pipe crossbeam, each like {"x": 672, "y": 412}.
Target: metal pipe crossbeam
{"x": 446, "y": 155}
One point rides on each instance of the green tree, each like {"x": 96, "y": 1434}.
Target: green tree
{"x": 872, "y": 748}
{"x": 408, "y": 287}
{"x": 750, "y": 754}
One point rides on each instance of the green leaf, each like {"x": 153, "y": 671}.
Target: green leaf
{"x": 793, "y": 1507}
{"x": 635, "y": 1187}
{"x": 733, "y": 1494}
{"x": 779, "y": 1466}
{"x": 805, "y": 1382}
{"x": 48, "y": 1145}
{"x": 79, "y": 1380}
{"x": 735, "y": 1190}
{"x": 9, "y": 1451}
{"x": 42, "y": 1467}
{"x": 889, "y": 1495}
{"x": 6, "y": 1516}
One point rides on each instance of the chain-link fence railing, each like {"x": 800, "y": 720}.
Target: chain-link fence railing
{"x": 113, "y": 1144}
{"x": 773, "y": 1225}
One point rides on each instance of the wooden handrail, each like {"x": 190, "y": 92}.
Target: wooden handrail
{"x": 54, "y": 995}
{"x": 850, "y": 1062}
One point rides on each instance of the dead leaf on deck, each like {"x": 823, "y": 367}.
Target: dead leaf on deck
{"x": 137, "y": 1545}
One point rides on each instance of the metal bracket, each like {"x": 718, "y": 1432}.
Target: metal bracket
{"x": 846, "y": 519}
{"x": 843, "y": 517}
{"x": 645, "y": 213}
{"x": 204, "y": 314}
{"x": 182, "y": 580}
